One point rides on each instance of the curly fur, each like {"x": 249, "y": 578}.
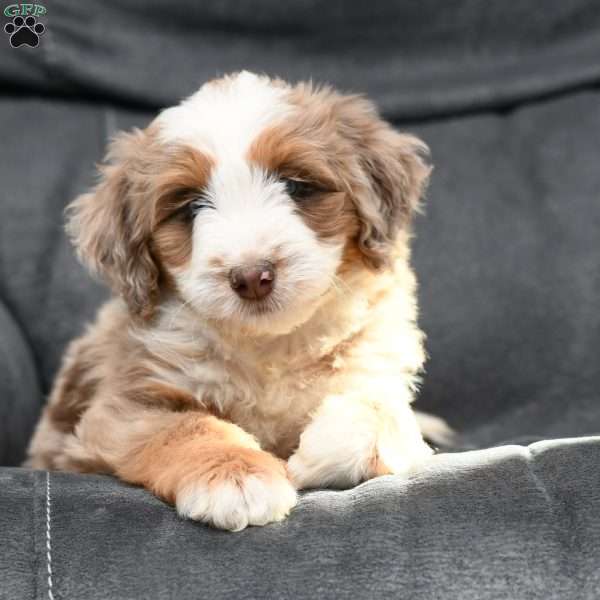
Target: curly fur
{"x": 220, "y": 405}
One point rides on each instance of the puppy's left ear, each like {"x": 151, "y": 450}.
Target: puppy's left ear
{"x": 396, "y": 177}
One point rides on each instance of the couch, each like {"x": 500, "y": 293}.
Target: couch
{"x": 507, "y": 254}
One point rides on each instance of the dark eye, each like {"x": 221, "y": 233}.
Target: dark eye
{"x": 299, "y": 190}
{"x": 200, "y": 203}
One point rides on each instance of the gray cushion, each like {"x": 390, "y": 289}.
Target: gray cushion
{"x": 20, "y": 396}
{"x": 416, "y": 60}
{"x": 512, "y": 522}
{"x": 509, "y": 270}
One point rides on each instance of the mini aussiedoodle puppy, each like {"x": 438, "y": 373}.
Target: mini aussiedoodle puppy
{"x": 263, "y": 334}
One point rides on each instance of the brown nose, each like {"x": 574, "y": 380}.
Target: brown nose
{"x": 253, "y": 283}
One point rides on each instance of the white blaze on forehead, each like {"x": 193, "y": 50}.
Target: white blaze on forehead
{"x": 224, "y": 117}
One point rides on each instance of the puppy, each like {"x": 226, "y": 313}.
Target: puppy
{"x": 262, "y": 337}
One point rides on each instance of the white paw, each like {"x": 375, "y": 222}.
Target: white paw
{"x": 352, "y": 439}
{"x": 396, "y": 458}
{"x": 348, "y": 464}
{"x": 234, "y": 505}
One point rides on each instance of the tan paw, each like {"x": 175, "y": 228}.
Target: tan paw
{"x": 252, "y": 489}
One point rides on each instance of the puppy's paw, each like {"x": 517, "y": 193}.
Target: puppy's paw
{"x": 345, "y": 466}
{"x": 249, "y": 489}
{"x": 393, "y": 457}
{"x": 350, "y": 442}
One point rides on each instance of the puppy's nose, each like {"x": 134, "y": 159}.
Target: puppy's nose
{"x": 253, "y": 283}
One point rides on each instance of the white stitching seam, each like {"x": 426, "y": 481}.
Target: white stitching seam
{"x": 48, "y": 540}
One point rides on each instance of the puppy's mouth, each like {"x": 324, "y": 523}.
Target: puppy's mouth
{"x": 260, "y": 306}
{"x": 278, "y": 304}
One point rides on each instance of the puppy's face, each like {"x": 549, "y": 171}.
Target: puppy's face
{"x": 249, "y": 201}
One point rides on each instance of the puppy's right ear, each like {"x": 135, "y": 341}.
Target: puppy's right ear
{"x": 111, "y": 227}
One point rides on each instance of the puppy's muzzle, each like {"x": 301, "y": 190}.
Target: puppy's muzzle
{"x": 253, "y": 282}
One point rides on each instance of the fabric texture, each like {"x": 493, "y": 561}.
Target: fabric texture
{"x": 506, "y": 253}
{"x": 20, "y": 396}
{"x": 417, "y": 60}
{"x": 504, "y": 523}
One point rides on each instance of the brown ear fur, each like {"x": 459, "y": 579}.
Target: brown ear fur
{"x": 397, "y": 173}
{"x": 111, "y": 229}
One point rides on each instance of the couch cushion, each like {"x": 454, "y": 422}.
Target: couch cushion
{"x": 511, "y": 522}
{"x": 20, "y": 395}
{"x": 47, "y": 156}
{"x": 509, "y": 270}
{"x": 415, "y": 59}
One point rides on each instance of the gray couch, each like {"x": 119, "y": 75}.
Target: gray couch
{"x": 507, "y": 253}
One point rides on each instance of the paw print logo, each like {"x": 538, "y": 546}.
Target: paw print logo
{"x": 24, "y": 31}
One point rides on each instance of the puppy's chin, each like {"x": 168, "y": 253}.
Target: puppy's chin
{"x": 276, "y": 320}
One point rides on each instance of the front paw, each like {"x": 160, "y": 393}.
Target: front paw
{"x": 345, "y": 466}
{"x": 350, "y": 442}
{"x": 244, "y": 487}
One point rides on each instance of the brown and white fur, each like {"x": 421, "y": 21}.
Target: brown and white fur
{"x": 224, "y": 405}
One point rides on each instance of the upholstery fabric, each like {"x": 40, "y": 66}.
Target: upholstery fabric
{"x": 503, "y": 523}
{"x": 20, "y": 395}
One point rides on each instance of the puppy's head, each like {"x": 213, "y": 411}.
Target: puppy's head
{"x": 248, "y": 201}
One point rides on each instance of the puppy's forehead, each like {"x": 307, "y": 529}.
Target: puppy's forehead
{"x": 224, "y": 117}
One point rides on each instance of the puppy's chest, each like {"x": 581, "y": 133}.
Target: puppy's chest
{"x": 273, "y": 402}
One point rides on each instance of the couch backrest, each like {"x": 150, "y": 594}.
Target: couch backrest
{"x": 505, "y": 95}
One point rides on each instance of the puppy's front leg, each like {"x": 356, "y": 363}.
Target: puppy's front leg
{"x": 356, "y": 436}
{"x": 211, "y": 469}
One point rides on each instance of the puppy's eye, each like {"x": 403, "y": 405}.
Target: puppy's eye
{"x": 299, "y": 190}
{"x": 199, "y": 204}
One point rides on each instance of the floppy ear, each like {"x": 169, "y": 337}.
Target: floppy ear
{"x": 396, "y": 177}
{"x": 111, "y": 226}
